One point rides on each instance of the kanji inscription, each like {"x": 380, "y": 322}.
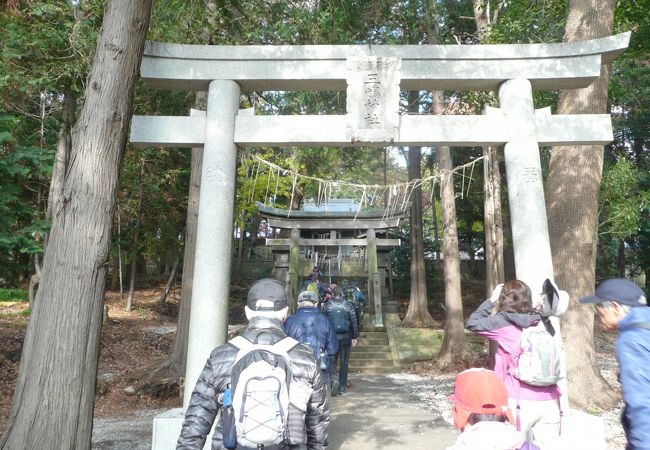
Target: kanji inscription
{"x": 373, "y": 99}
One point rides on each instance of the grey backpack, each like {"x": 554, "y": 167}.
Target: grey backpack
{"x": 539, "y": 358}
{"x": 260, "y": 380}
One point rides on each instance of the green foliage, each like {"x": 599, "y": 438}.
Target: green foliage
{"x": 13, "y": 295}
{"x": 622, "y": 204}
{"x": 23, "y": 171}
{"x": 529, "y": 23}
{"x": 48, "y": 45}
{"x": 164, "y": 206}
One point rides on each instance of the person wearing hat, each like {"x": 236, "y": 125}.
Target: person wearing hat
{"x": 266, "y": 309}
{"x": 309, "y": 326}
{"x": 622, "y": 306}
{"x": 482, "y": 413}
{"x": 503, "y": 318}
{"x": 344, "y": 320}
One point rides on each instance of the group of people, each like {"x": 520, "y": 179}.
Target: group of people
{"x": 330, "y": 329}
{"x": 268, "y": 391}
{"x": 517, "y": 406}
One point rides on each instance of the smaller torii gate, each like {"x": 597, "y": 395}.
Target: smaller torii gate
{"x": 376, "y": 264}
{"x": 372, "y": 76}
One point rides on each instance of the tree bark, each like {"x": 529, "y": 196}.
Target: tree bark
{"x": 136, "y": 241}
{"x": 492, "y": 220}
{"x": 492, "y": 217}
{"x": 240, "y": 243}
{"x": 453, "y": 344}
{"x": 55, "y": 196}
{"x": 170, "y": 281}
{"x": 55, "y": 393}
{"x": 572, "y": 205}
{"x": 247, "y": 250}
{"x": 417, "y": 314}
{"x": 115, "y": 269}
{"x": 620, "y": 260}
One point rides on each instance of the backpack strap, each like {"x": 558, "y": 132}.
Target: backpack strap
{"x": 244, "y": 346}
{"x": 285, "y": 345}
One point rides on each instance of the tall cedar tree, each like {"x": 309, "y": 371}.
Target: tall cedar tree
{"x": 55, "y": 393}
{"x": 573, "y": 186}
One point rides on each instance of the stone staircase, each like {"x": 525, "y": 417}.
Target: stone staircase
{"x": 372, "y": 354}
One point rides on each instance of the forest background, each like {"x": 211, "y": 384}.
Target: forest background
{"x": 47, "y": 49}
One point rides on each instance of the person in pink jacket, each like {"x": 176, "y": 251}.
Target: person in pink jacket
{"x": 502, "y": 318}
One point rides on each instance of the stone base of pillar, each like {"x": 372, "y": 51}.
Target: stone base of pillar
{"x": 167, "y": 428}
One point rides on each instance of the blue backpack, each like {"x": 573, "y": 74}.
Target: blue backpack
{"x": 308, "y": 337}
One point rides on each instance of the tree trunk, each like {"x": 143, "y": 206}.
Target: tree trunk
{"x": 62, "y": 157}
{"x": 572, "y": 204}
{"x": 115, "y": 270}
{"x": 621, "y": 258}
{"x": 170, "y": 281}
{"x": 55, "y": 196}
{"x": 434, "y": 218}
{"x": 492, "y": 220}
{"x": 136, "y": 241}
{"x": 417, "y": 315}
{"x": 55, "y": 393}
{"x": 250, "y": 243}
{"x": 492, "y": 217}
{"x": 453, "y": 344}
{"x": 493, "y": 226}
{"x": 119, "y": 250}
{"x": 240, "y": 243}
{"x": 174, "y": 365}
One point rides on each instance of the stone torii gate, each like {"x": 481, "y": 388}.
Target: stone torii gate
{"x": 372, "y": 76}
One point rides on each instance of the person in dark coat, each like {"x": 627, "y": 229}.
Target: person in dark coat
{"x": 309, "y": 326}
{"x": 341, "y": 314}
{"x": 622, "y": 306}
{"x": 266, "y": 309}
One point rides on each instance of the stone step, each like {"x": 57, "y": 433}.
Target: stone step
{"x": 391, "y": 308}
{"x": 370, "y": 363}
{"x": 374, "y": 334}
{"x": 356, "y": 356}
{"x": 362, "y": 342}
{"x": 374, "y": 370}
{"x": 383, "y": 348}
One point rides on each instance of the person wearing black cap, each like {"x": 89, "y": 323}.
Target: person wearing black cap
{"x": 266, "y": 309}
{"x": 622, "y": 306}
{"x": 309, "y": 326}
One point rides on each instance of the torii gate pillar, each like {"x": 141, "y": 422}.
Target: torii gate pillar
{"x": 530, "y": 239}
{"x": 211, "y": 283}
{"x": 533, "y": 262}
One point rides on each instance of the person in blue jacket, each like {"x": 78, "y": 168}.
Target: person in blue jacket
{"x": 309, "y": 326}
{"x": 622, "y": 305}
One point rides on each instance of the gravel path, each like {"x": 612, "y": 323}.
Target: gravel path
{"x": 428, "y": 392}
{"x": 431, "y": 393}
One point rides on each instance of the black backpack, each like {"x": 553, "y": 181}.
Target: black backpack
{"x": 351, "y": 295}
{"x": 340, "y": 317}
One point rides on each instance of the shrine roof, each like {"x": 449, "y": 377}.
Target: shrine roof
{"x": 332, "y": 220}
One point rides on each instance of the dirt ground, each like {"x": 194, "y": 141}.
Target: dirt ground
{"x": 130, "y": 342}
